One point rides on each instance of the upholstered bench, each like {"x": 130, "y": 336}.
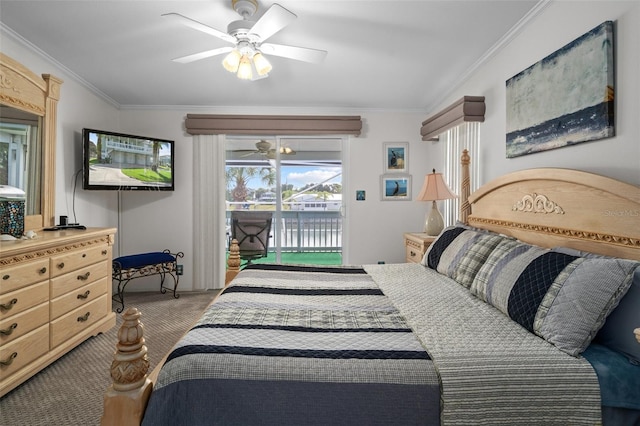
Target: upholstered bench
{"x": 127, "y": 268}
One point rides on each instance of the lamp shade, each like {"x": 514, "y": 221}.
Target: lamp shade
{"x": 232, "y": 61}
{"x": 434, "y": 188}
{"x": 244, "y": 69}
{"x": 262, "y": 64}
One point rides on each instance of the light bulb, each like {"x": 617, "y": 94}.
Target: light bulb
{"x": 244, "y": 69}
{"x": 262, "y": 64}
{"x": 231, "y": 61}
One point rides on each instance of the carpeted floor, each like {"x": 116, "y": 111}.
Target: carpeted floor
{"x": 70, "y": 391}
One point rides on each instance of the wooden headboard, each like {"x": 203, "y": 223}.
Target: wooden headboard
{"x": 561, "y": 207}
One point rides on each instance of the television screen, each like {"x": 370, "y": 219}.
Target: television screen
{"x": 117, "y": 161}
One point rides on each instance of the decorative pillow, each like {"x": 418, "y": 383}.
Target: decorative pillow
{"x": 576, "y": 307}
{"x": 562, "y": 298}
{"x": 459, "y": 253}
{"x": 617, "y": 331}
{"x": 495, "y": 279}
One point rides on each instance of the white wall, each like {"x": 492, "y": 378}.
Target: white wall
{"x": 151, "y": 221}
{"x": 556, "y": 25}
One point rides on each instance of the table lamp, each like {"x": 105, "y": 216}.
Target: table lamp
{"x": 434, "y": 188}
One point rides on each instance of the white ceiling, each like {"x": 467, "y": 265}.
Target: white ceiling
{"x": 389, "y": 55}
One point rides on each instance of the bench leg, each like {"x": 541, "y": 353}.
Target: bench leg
{"x": 171, "y": 271}
{"x": 119, "y": 296}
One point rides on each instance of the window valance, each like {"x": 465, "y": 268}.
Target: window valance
{"x": 217, "y": 124}
{"x": 468, "y": 108}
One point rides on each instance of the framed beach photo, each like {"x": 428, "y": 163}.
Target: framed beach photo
{"x": 396, "y": 157}
{"x": 395, "y": 187}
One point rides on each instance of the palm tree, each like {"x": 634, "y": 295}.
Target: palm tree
{"x": 156, "y": 156}
{"x": 238, "y": 177}
{"x": 99, "y": 149}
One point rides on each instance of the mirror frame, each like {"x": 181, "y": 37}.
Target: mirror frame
{"x": 22, "y": 89}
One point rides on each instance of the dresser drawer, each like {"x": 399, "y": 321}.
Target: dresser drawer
{"x": 79, "y": 297}
{"x": 23, "y": 350}
{"x": 23, "y": 299}
{"x": 64, "y": 263}
{"x": 413, "y": 254}
{"x": 78, "y": 278}
{"x": 77, "y": 320}
{"x": 18, "y": 325}
{"x": 15, "y": 277}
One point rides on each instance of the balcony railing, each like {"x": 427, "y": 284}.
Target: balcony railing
{"x": 306, "y": 231}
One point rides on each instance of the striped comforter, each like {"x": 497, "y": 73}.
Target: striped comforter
{"x": 343, "y": 346}
{"x": 282, "y": 347}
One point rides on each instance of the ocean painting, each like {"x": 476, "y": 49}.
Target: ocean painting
{"x": 564, "y": 99}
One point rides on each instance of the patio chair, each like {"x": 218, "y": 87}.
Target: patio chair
{"x": 252, "y": 231}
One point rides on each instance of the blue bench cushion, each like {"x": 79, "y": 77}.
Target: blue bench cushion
{"x": 143, "y": 259}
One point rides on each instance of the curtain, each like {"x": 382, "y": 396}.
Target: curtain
{"x": 209, "y": 212}
{"x": 464, "y": 136}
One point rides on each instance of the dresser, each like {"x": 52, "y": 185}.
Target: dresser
{"x": 55, "y": 292}
{"x": 416, "y": 245}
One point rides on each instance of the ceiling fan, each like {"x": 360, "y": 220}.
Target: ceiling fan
{"x": 264, "y": 148}
{"x": 248, "y": 38}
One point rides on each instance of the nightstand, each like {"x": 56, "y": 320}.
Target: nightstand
{"x": 416, "y": 245}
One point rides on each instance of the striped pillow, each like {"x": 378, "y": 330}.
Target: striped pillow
{"x": 562, "y": 298}
{"x": 460, "y": 252}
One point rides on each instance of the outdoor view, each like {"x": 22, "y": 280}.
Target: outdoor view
{"x": 309, "y": 229}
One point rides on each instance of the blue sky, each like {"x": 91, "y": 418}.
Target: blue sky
{"x": 300, "y": 176}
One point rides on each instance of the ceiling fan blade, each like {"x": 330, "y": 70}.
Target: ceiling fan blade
{"x": 304, "y": 54}
{"x": 273, "y": 20}
{"x": 199, "y": 26}
{"x": 202, "y": 55}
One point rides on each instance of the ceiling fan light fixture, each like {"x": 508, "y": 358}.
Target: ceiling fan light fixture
{"x": 244, "y": 69}
{"x": 232, "y": 61}
{"x": 263, "y": 66}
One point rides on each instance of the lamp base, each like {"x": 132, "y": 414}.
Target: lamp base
{"x": 434, "y": 224}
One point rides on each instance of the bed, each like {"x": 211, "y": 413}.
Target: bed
{"x": 522, "y": 313}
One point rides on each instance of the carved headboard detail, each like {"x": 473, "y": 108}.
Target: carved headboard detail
{"x": 562, "y": 207}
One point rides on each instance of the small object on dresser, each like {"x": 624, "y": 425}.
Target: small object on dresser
{"x": 11, "y": 211}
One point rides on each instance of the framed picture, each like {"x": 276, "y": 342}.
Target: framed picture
{"x": 361, "y": 195}
{"x": 395, "y": 187}
{"x": 566, "y": 98}
{"x": 396, "y": 157}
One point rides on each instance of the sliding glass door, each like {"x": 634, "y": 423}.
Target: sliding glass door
{"x": 299, "y": 180}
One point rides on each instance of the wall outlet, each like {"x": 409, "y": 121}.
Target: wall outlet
{"x": 179, "y": 269}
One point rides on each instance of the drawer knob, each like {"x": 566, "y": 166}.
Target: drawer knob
{"x": 104, "y": 252}
{"x": 60, "y": 265}
{"x": 8, "y": 306}
{"x": 43, "y": 270}
{"x": 84, "y": 255}
{"x": 6, "y": 277}
{"x": 10, "y": 359}
{"x": 84, "y": 277}
{"x": 8, "y": 331}
{"x": 413, "y": 254}
{"x": 84, "y": 295}
{"x": 84, "y": 317}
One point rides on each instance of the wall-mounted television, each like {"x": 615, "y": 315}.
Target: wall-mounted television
{"x": 117, "y": 161}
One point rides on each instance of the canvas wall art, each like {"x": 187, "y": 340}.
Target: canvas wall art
{"x": 564, "y": 99}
